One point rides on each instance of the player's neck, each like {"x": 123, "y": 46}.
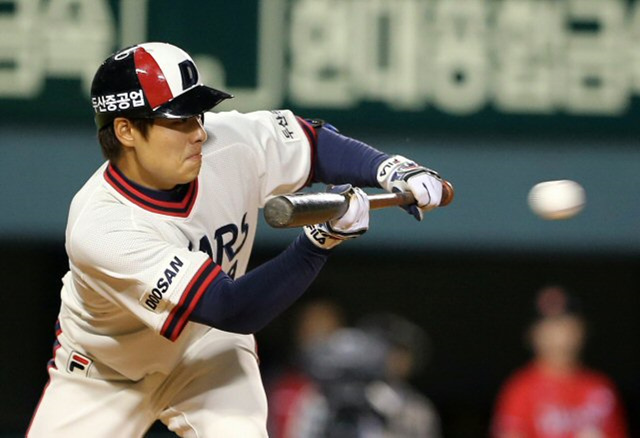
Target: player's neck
{"x": 138, "y": 175}
{"x": 559, "y": 368}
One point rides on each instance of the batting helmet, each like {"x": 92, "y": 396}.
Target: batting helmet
{"x": 150, "y": 80}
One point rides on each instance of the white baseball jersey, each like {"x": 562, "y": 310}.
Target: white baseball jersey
{"x": 140, "y": 261}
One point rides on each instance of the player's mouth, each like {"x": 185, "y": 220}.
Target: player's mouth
{"x": 197, "y": 156}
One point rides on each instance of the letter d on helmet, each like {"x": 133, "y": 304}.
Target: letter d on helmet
{"x": 150, "y": 80}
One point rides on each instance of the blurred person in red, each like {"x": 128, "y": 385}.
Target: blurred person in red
{"x": 555, "y": 395}
{"x": 289, "y": 393}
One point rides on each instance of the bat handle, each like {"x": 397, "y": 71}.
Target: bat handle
{"x": 406, "y": 198}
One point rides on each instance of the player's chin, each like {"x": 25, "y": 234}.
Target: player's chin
{"x": 191, "y": 169}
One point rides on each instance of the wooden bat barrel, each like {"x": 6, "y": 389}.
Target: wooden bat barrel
{"x": 299, "y": 209}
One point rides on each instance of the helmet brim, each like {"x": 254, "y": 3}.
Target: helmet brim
{"x": 196, "y": 101}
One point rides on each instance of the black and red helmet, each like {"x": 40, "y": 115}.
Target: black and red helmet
{"x": 150, "y": 80}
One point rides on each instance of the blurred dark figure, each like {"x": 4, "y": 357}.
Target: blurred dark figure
{"x": 293, "y": 390}
{"x": 362, "y": 388}
{"x": 346, "y": 367}
{"x": 555, "y": 396}
{"x": 408, "y": 412}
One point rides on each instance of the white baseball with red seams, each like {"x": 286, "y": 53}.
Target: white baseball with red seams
{"x": 554, "y": 200}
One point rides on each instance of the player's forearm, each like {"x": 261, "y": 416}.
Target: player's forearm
{"x": 341, "y": 159}
{"x": 249, "y": 303}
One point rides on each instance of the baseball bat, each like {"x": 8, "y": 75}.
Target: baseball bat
{"x": 299, "y": 209}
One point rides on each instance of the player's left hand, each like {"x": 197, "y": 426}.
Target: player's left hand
{"x": 353, "y": 223}
{"x": 400, "y": 174}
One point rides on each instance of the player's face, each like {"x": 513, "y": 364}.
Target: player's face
{"x": 171, "y": 154}
{"x": 558, "y": 341}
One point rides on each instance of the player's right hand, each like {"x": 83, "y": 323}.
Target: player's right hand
{"x": 400, "y": 174}
{"x": 353, "y": 223}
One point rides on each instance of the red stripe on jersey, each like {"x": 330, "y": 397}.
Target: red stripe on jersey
{"x": 313, "y": 144}
{"x": 176, "y": 209}
{"x": 152, "y": 79}
{"x": 188, "y": 295}
{"x": 192, "y": 305}
{"x": 56, "y": 343}
{"x": 312, "y": 139}
{"x": 82, "y": 360}
{"x": 156, "y": 202}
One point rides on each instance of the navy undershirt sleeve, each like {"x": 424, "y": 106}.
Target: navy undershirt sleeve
{"x": 249, "y": 303}
{"x": 341, "y": 159}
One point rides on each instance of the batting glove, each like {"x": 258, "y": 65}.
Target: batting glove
{"x": 399, "y": 174}
{"x": 353, "y": 223}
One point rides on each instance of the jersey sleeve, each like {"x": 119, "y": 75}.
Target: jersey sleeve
{"x": 279, "y": 145}
{"x": 512, "y": 409}
{"x": 132, "y": 266}
{"x": 615, "y": 425}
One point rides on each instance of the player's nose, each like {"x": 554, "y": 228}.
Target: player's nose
{"x": 198, "y": 134}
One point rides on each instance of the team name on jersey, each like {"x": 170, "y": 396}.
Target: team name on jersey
{"x": 285, "y": 123}
{"x": 155, "y": 300}
{"x": 229, "y": 240}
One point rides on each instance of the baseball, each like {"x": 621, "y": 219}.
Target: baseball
{"x": 553, "y": 200}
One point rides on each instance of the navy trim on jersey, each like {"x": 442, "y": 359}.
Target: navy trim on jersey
{"x": 52, "y": 361}
{"x": 312, "y": 137}
{"x": 177, "y": 202}
{"x": 56, "y": 346}
{"x": 179, "y": 315}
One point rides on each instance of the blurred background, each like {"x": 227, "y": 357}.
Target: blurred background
{"x": 495, "y": 95}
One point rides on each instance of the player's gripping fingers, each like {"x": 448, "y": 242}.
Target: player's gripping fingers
{"x": 353, "y": 223}
{"x": 412, "y": 209}
{"x": 399, "y": 174}
{"x": 426, "y": 187}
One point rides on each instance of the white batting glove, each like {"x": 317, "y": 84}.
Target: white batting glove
{"x": 400, "y": 174}
{"x": 353, "y": 223}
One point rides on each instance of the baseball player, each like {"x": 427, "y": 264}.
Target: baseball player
{"x": 157, "y": 313}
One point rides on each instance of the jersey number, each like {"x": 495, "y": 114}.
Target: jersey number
{"x": 225, "y": 238}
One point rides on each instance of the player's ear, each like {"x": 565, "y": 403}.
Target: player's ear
{"x": 123, "y": 130}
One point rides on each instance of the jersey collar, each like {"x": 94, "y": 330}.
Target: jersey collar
{"x": 177, "y": 202}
